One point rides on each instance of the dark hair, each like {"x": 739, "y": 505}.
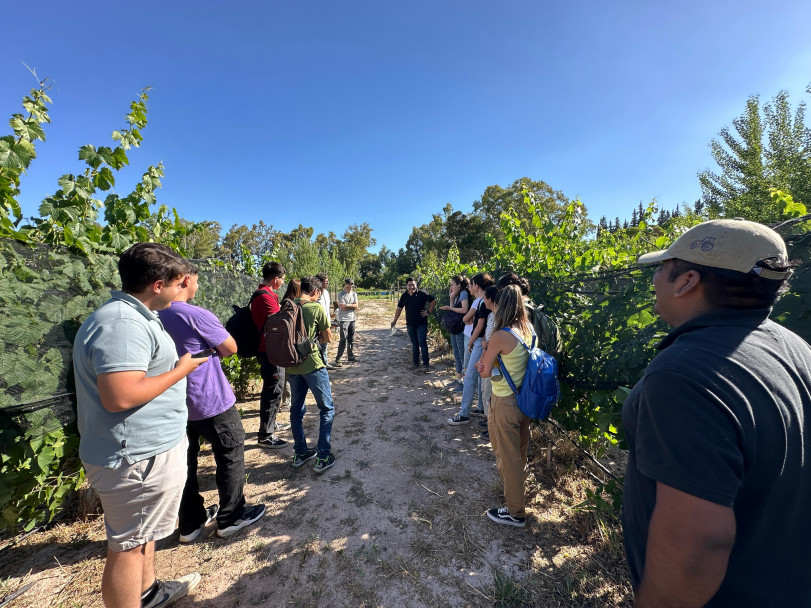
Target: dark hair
{"x": 273, "y": 270}
{"x": 513, "y": 279}
{"x": 409, "y": 279}
{"x": 323, "y": 276}
{"x": 511, "y": 310}
{"x": 308, "y": 284}
{"x": 293, "y": 290}
{"x": 732, "y": 289}
{"x": 491, "y": 293}
{"x": 483, "y": 280}
{"x": 144, "y": 263}
{"x": 462, "y": 281}
{"x": 191, "y": 268}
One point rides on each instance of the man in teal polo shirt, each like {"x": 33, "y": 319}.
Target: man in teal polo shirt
{"x": 131, "y": 398}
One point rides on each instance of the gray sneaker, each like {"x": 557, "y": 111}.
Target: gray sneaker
{"x": 171, "y": 591}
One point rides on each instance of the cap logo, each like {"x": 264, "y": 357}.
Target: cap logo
{"x": 704, "y": 244}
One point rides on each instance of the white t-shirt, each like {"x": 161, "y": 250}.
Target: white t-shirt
{"x": 469, "y": 327}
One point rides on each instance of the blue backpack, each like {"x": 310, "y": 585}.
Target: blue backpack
{"x": 540, "y": 390}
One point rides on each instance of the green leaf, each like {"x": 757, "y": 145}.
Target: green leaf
{"x": 45, "y": 458}
{"x": 89, "y": 154}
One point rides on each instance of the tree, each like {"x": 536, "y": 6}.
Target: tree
{"x": 768, "y": 149}
{"x": 353, "y": 247}
{"x": 496, "y": 200}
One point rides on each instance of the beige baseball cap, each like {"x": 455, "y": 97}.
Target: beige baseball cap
{"x": 735, "y": 244}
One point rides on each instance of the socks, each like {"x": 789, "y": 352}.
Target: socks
{"x": 147, "y": 595}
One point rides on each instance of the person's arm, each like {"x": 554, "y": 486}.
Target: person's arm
{"x": 431, "y": 306}
{"x": 470, "y": 315}
{"x": 227, "y": 348}
{"x": 121, "y": 391}
{"x": 396, "y": 316}
{"x": 689, "y": 543}
{"x": 500, "y": 342}
{"x": 477, "y": 331}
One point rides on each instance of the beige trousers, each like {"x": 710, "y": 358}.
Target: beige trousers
{"x": 509, "y": 436}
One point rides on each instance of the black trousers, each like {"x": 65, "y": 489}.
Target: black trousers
{"x": 227, "y": 437}
{"x": 271, "y": 396}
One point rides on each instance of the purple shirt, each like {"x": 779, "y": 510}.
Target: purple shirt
{"x": 193, "y": 329}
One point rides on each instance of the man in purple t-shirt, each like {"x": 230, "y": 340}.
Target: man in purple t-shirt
{"x": 213, "y": 416}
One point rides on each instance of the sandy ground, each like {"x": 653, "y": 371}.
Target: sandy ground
{"x": 398, "y": 521}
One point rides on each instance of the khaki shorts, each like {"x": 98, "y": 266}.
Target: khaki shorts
{"x": 141, "y": 500}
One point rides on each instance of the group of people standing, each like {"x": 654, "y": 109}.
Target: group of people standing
{"x": 150, "y": 386}
{"x": 485, "y": 308}
{"x": 717, "y": 485}
{"x": 488, "y": 307}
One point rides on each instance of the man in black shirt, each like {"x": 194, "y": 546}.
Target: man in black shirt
{"x": 717, "y": 489}
{"x": 414, "y": 301}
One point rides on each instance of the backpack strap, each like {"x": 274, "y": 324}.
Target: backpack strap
{"x": 515, "y": 335}
{"x": 503, "y": 367}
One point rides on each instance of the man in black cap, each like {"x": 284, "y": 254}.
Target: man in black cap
{"x": 717, "y": 489}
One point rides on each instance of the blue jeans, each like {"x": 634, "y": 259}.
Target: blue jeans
{"x": 316, "y": 381}
{"x": 419, "y": 342}
{"x": 473, "y": 382}
{"x": 458, "y": 344}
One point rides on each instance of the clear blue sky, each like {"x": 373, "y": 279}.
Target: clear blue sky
{"x": 330, "y": 113}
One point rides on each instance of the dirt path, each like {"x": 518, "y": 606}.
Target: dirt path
{"x": 398, "y": 521}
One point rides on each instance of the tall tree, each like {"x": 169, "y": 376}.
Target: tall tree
{"x": 496, "y": 199}
{"x": 769, "y": 148}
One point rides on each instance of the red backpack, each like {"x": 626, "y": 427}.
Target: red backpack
{"x": 286, "y": 340}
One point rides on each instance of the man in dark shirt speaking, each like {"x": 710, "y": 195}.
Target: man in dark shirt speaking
{"x": 717, "y": 493}
{"x": 414, "y": 301}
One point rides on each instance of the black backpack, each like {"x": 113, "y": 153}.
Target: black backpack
{"x": 242, "y": 328}
{"x": 549, "y": 339}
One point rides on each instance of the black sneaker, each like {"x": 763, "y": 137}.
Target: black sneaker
{"x": 352, "y": 359}
{"x": 282, "y": 426}
{"x": 300, "y": 459}
{"x": 502, "y": 516}
{"x": 413, "y": 367}
{"x": 211, "y": 513}
{"x": 322, "y": 464}
{"x": 169, "y": 592}
{"x": 485, "y": 434}
{"x": 271, "y": 442}
{"x": 337, "y": 363}
{"x": 456, "y": 420}
{"x": 427, "y": 369}
{"x": 474, "y": 411}
{"x": 250, "y": 514}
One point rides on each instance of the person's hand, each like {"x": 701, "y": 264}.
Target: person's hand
{"x": 484, "y": 346}
{"x": 444, "y": 308}
{"x": 423, "y": 313}
{"x": 189, "y": 364}
{"x": 392, "y": 324}
{"x": 479, "y": 367}
{"x": 470, "y": 346}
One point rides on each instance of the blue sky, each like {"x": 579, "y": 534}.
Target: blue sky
{"x": 331, "y": 113}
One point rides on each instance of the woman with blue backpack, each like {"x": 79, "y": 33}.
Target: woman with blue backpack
{"x": 507, "y": 425}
